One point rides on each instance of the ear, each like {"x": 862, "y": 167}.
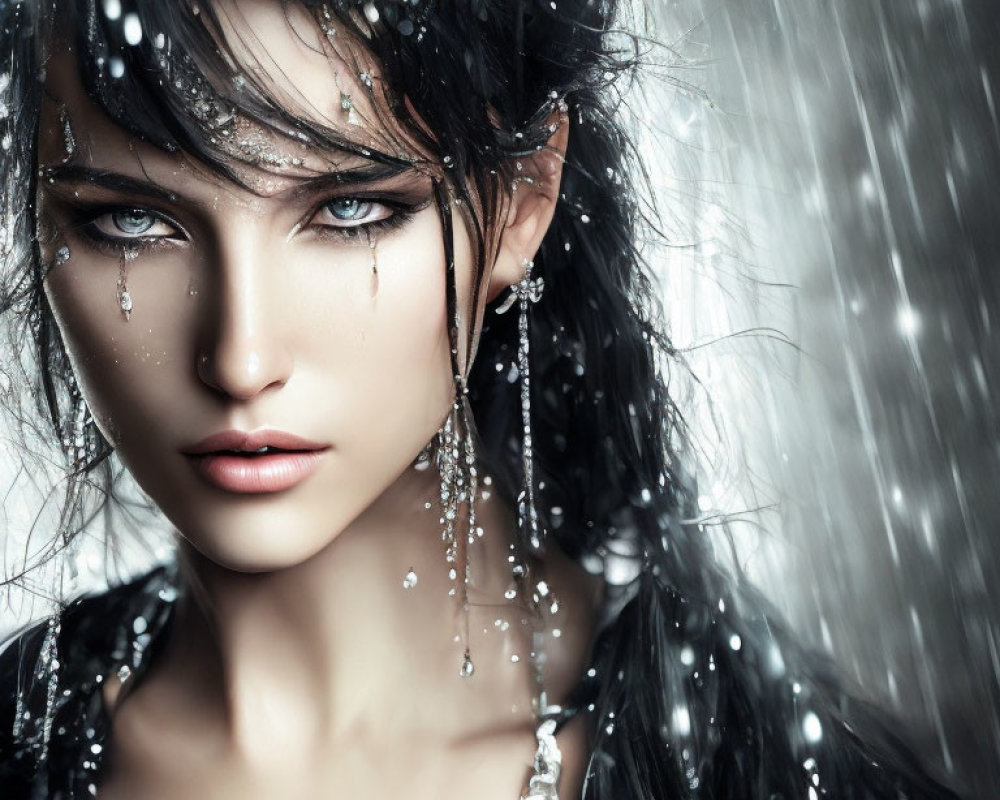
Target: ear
{"x": 532, "y": 206}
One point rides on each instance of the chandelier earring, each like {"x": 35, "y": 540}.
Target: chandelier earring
{"x": 456, "y": 462}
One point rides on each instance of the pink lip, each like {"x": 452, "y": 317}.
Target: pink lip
{"x": 219, "y": 459}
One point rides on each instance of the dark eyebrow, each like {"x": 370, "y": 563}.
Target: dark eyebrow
{"x": 75, "y": 173}
{"x": 370, "y": 173}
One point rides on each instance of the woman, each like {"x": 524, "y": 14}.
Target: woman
{"x": 352, "y": 289}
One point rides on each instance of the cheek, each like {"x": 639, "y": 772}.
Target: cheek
{"x": 397, "y": 366}
{"x": 126, "y": 369}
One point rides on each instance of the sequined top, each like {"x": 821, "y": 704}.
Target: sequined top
{"x": 60, "y": 667}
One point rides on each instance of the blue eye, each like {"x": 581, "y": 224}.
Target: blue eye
{"x": 131, "y": 225}
{"x": 350, "y": 209}
{"x": 133, "y": 221}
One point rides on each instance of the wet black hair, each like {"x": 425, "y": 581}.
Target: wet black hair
{"x": 696, "y": 688}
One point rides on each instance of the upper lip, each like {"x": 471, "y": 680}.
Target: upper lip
{"x": 243, "y": 441}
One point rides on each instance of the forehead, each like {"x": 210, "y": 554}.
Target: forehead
{"x": 303, "y": 67}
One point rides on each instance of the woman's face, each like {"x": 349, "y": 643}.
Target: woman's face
{"x": 253, "y": 312}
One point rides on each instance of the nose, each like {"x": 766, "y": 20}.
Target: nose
{"x": 241, "y": 350}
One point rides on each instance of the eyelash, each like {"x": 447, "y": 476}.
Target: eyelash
{"x": 398, "y": 214}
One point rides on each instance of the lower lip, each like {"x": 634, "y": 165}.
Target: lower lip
{"x": 276, "y": 472}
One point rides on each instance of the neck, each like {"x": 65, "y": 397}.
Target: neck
{"x": 337, "y": 646}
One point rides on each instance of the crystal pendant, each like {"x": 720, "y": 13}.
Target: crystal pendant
{"x": 410, "y": 580}
{"x": 467, "y": 666}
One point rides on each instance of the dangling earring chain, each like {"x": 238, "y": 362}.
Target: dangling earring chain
{"x": 544, "y": 783}
{"x": 524, "y": 292}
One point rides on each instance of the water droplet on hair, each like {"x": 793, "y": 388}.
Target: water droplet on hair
{"x": 132, "y": 29}
{"x": 812, "y": 728}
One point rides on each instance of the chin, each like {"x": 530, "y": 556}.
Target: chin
{"x": 258, "y": 545}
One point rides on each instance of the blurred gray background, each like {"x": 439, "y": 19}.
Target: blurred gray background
{"x": 842, "y": 161}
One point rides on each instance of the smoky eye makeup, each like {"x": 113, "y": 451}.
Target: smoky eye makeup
{"x": 125, "y": 227}
{"x": 347, "y": 216}
{"x": 359, "y": 217}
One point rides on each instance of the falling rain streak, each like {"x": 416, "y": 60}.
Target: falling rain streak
{"x": 830, "y": 197}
